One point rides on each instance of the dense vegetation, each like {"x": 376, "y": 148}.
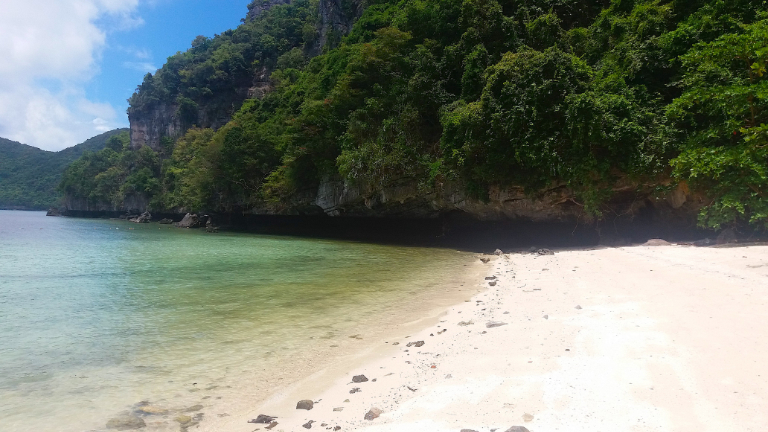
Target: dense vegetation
{"x": 536, "y": 93}
{"x": 29, "y": 176}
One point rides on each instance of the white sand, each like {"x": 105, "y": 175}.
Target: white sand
{"x": 668, "y": 338}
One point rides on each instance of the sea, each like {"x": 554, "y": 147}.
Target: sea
{"x": 103, "y": 318}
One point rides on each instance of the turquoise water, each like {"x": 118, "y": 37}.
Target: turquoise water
{"x": 99, "y": 315}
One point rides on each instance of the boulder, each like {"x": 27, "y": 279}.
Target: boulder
{"x": 360, "y": 378}
{"x": 726, "y": 236}
{"x": 263, "y": 419}
{"x": 373, "y": 413}
{"x": 142, "y": 218}
{"x": 126, "y": 422}
{"x": 498, "y": 252}
{"x": 190, "y": 221}
{"x": 305, "y": 404}
{"x": 656, "y": 242}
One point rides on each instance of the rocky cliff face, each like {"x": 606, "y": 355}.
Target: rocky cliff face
{"x": 335, "y": 19}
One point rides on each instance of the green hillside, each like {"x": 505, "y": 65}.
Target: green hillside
{"x": 29, "y": 176}
{"x": 573, "y": 94}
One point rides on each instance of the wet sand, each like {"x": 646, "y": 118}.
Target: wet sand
{"x": 667, "y": 338}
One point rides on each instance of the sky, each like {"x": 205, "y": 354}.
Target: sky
{"x": 68, "y": 66}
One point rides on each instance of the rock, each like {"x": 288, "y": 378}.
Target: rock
{"x": 492, "y": 283}
{"x": 338, "y": 409}
{"x": 190, "y": 221}
{"x": 527, "y": 417}
{"x": 360, "y": 378}
{"x": 126, "y": 422}
{"x": 193, "y": 408}
{"x": 492, "y": 324}
{"x": 726, "y": 236}
{"x": 308, "y": 425}
{"x": 263, "y": 419}
{"x": 704, "y": 242}
{"x": 498, "y": 252}
{"x": 305, "y": 404}
{"x": 485, "y": 260}
{"x": 546, "y": 316}
{"x": 183, "y": 419}
{"x": 468, "y": 430}
{"x": 337, "y": 428}
{"x": 417, "y": 344}
{"x": 53, "y": 211}
{"x": 165, "y": 221}
{"x": 465, "y": 323}
{"x": 517, "y": 429}
{"x": 145, "y": 217}
{"x": 578, "y": 306}
{"x": 209, "y": 227}
{"x": 271, "y": 425}
{"x": 544, "y": 252}
{"x": 355, "y": 390}
{"x": 656, "y": 242}
{"x": 489, "y": 278}
{"x": 373, "y": 413}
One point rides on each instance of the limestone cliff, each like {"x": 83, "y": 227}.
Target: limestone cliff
{"x": 149, "y": 125}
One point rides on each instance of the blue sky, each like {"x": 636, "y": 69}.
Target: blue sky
{"x": 71, "y": 64}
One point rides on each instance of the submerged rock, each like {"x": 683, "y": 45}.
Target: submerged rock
{"x": 305, "y": 404}
{"x": 126, "y": 422}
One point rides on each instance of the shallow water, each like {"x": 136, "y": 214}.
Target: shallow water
{"x": 97, "y": 316}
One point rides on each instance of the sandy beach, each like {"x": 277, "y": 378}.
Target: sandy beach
{"x": 663, "y": 338}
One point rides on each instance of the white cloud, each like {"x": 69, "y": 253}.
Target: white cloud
{"x": 50, "y": 49}
{"x": 140, "y": 66}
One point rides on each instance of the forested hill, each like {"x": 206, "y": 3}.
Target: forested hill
{"x": 29, "y": 177}
{"x": 507, "y": 108}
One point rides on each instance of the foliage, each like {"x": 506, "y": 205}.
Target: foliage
{"x": 724, "y": 111}
{"x": 570, "y": 94}
{"x": 29, "y": 176}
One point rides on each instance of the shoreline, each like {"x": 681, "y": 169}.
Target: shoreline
{"x": 633, "y": 339}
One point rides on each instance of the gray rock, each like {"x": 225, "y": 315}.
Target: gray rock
{"x": 417, "y": 344}
{"x": 656, "y": 242}
{"x": 704, "y": 242}
{"x": 308, "y": 425}
{"x": 726, "y": 236}
{"x": 373, "y": 413}
{"x": 498, "y": 252}
{"x": 361, "y": 378}
{"x": 355, "y": 390}
{"x": 262, "y": 419}
{"x": 193, "y": 408}
{"x": 190, "y": 221}
{"x": 544, "y": 252}
{"x": 53, "y": 211}
{"x": 468, "y": 430}
{"x": 517, "y": 429}
{"x": 492, "y": 283}
{"x": 305, "y": 404}
{"x": 165, "y": 221}
{"x": 578, "y": 306}
{"x": 126, "y": 422}
{"x": 145, "y": 217}
{"x": 492, "y": 324}
{"x": 271, "y": 425}
{"x": 485, "y": 260}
